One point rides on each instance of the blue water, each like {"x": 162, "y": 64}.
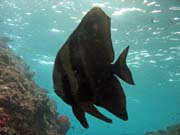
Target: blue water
{"x": 150, "y": 27}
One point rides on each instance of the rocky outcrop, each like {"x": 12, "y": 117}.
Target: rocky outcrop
{"x": 25, "y": 109}
{"x": 170, "y": 130}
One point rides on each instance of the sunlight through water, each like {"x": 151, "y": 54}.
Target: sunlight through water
{"x": 151, "y": 28}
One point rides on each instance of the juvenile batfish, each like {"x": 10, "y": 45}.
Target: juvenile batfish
{"x": 84, "y": 75}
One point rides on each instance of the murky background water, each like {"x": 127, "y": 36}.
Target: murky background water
{"x": 150, "y": 27}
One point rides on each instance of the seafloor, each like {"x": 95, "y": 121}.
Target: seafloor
{"x": 170, "y": 130}
{"x": 25, "y": 109}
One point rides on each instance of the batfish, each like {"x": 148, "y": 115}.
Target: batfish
{"x": 84, "y": 74}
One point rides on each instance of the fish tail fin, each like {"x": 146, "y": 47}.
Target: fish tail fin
{"x": 121, "y": 69}
{"x": 93, "y": 111}
{"x": 80, "y": 115}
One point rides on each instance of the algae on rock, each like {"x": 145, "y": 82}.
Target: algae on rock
{"x": 25, "y": 109}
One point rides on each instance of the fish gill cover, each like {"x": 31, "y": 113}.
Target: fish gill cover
{"x": 151, "y": 29}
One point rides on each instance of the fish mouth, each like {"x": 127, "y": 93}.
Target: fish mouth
{"x": 96, "y": 23}
{"x": 97, "y": 12}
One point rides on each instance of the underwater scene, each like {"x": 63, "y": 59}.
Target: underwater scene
{"x": 36, "y": 30}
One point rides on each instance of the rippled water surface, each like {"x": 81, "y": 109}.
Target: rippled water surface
{"x": 152, "y": 30}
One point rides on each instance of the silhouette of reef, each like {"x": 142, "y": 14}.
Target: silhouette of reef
{"x": 25, "y": 109}
{"x": 170, "y": 130}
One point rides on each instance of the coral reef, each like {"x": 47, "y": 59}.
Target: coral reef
{"x": 25, "y": 109}
{"x": 64, "y": 124}
{"x": 171, "y": 130}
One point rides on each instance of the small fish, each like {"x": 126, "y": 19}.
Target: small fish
{"x": 83, "y": 74}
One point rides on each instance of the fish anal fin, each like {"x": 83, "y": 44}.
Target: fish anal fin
{"x": 112, "y": 98}
{"x": 94, "y": 112}
{"x": 80, "y": 115}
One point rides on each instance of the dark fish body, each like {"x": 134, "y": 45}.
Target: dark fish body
{"x": 84, "y": 75}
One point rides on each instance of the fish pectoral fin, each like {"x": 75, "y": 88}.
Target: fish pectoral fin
{"x": 80, "y": 115}
{"x": 93, "y": 111}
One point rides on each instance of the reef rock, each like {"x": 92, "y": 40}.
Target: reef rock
{"x": 170, "y": 130}
{"x": 25, "y": 108}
